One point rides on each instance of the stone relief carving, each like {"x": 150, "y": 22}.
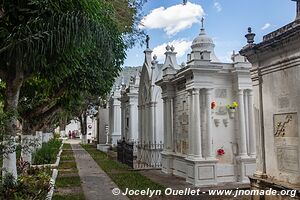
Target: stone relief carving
{"x": 221, "y": 93}
{"x": 286, "y": 125}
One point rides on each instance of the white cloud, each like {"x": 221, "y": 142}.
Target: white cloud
{"x": 266, "y": 26}
{"x": 218, "y": 6}
{"x": 173, "y": 19}
{"x": 181, "y": 47}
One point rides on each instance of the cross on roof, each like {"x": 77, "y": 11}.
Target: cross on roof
{"x": 202, "y": 22}
{"x": 184, "y": 2}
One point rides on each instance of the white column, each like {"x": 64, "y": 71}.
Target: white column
{"x": 123, "y": 119}
{"x": 209, "y": 123}
{"x": 246, "y": 118}
{"x": 153, "y": 121}
{"x": 165, "y": 110}
{"x": 191, "y": 139}
{"x": 168, "y": 140}
{"x": 131, "y": 120}
{"x": 140, "y": 123}
{"x": 242, "y": 128}
{"x": 196, "y": 123}
{"x": 252, "y": 141}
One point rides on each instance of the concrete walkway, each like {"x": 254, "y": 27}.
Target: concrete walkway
{"x": 95, "y": 183}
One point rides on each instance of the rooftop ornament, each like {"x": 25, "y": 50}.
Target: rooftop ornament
{"x": 202, "y": 23}
{"x": 184, "y": 2}
{"x": 298, "y": 9}
{"x": 168, "y": 48}
{"x": 172, "y": 48}
{"x": 250, "y": 36}
{"x": 147, "y": 41}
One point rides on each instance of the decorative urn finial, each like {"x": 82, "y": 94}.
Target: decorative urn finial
{"x": 250, "y": 36}
{"x": 168, "y": 48}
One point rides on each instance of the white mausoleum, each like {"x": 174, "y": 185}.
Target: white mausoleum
{"x": 129, "y": 108}
{"x": 115, "y": 116}
{"x": 150, "y": 104}
{"x": 276, "y": 76}
{"x": 199, "y": 126}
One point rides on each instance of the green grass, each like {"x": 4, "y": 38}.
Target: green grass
{"x": 67, "y": 146}
{"x": 48, "y": 153}
{"x": 79, "y": 196}
{"x": 121, "y": 174}
{"x": 67, "y": 165}
{"x": 67, "y": 156}
{"x": 72, "y": 181}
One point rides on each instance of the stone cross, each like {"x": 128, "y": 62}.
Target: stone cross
{"x": 298, "y": 9}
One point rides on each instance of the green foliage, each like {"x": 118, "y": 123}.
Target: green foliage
{"x": 32, "y": 185}
{"x": 47, "y": 154}
{"x": 62, "y": 51}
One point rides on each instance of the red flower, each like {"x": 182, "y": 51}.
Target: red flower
{"x": 220, "y": 152}
{"x": 213, "y": 105}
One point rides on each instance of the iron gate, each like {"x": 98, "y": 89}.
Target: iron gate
{"x": 140, "y": 155}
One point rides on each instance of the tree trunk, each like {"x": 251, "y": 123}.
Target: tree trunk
{"x": 27, "y": 147}
{"x": 83, "y": 128}
{"x": 62, "y": 127}
{"x": 12, "y": 92}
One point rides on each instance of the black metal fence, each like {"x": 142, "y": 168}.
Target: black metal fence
{"x": 125, "y": 152}
{"x": 140, "y": 155}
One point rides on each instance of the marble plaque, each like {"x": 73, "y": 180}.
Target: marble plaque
{"x": 288, "y": 159}
{"x": 221, "y": 93}
{"x": 286, "y": 125}
{"x": 184, "y": 119}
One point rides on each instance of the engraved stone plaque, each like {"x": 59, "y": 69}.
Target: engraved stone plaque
{"x": 221, "y": 93}
{"x": 288, "y": 159}
{"x": 286, "y": 125}
{"x": 184, "y": 119}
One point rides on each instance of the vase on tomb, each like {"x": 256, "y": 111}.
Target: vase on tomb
{"x": 231, "y": 112}
{"x": 217, "y": 122}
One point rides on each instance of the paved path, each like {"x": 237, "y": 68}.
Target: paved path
{"x": 95, "y": 183}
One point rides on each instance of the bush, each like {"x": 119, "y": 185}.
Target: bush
{"x": 48, "y": 153}
{"x": 31, "y": 185}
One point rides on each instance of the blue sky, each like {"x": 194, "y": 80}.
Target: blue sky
{"x": 226, "y": 21}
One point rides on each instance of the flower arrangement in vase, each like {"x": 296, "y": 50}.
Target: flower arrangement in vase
{"x": 232, "y": 109}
